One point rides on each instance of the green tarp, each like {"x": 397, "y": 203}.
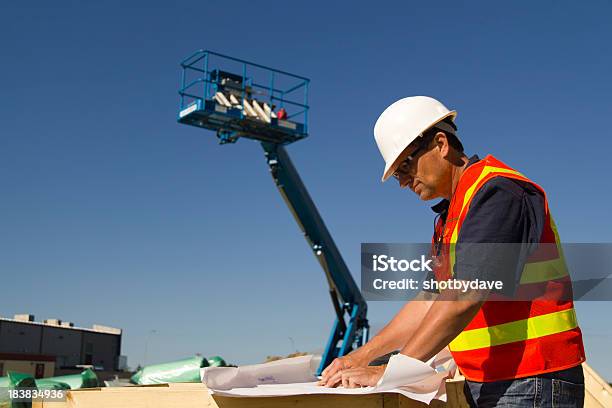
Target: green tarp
{"x": 86, "y": 379}
{"x": 49, "y": 384}
{"x": 187, "y": 370}
{"x": 14, "y": 381}
{"x": 217, "y": 361}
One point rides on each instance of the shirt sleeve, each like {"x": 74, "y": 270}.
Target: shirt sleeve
{"x": 502, "y": 228}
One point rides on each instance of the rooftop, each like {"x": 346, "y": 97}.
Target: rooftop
{"x": 29, "y": 319}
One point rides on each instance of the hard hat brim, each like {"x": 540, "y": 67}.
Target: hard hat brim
{"x": 390, "y": 169}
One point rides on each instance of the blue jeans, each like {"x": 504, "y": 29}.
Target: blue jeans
{"x": 561, "y": 389}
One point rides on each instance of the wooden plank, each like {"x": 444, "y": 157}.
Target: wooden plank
{"x": 454, "y": 394}
{"x": 390, "y": 401}
{"x": 192, "y": 395}
{"x": 598, "y": 392}
{"x": 301, "y": 401}
{"x": 405, "y": 402}
{"x": 55, "y": 404}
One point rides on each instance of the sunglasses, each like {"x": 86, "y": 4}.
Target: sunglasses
{"x": 404, "y": 166}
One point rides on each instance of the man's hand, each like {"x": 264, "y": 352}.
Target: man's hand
{"x": 357, "y": 377}
{"x": 352, "y": 360}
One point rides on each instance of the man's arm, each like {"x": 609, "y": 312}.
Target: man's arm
{"x": 401, "y": 328}
{"x": 392, "y": 337}
{"x": 445, "y": 319}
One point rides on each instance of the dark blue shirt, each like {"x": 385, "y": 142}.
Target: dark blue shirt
{"x": 503, "y": 211}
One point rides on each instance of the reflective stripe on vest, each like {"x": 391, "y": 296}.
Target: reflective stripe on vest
{"x": 518, "y": 330}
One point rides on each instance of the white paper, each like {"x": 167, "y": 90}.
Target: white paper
{"x": 295, "y": 376}
{"x": 285, "y": 371}
{"x": 403, "y": 370}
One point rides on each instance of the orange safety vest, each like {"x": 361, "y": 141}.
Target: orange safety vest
{"x": 513, "y": 339}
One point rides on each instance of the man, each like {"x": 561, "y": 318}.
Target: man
{"x": 520, "y": 346}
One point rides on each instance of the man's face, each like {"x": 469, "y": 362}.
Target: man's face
{"x": 428, "y": 174}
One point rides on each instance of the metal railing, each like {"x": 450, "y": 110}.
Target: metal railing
{"x": 203, "y": 87}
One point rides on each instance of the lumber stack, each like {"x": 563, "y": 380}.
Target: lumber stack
{"x": 196, "y": 395}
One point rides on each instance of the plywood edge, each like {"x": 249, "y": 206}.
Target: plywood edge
{"x": 304, "y": 401}
{"x": 196, "y": 395}
{"x": 454, "y": 393}
{"x": 598, "y": 391}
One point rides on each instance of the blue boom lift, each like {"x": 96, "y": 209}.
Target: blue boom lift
{"x": 239, "y": 99}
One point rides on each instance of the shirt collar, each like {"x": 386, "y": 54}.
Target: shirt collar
{"x": 443, "y": 204}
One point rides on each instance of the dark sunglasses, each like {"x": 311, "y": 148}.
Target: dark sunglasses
{"x": 404, "y": 166}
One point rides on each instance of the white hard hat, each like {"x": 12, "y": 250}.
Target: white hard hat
{"x": 402, "y": 123}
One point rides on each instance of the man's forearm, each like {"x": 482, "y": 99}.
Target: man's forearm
{"x": 446, "y": 318}
{"x": 399, "y": 330}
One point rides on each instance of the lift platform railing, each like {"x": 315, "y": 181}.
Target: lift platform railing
{"x": 278, "y": 88}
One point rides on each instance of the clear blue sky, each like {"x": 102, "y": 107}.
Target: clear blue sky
{"x": 113, "y": 213}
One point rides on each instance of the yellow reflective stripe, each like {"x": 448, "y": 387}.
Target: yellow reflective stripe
{"x": 535, "y": 272}
{"x": 546, "y": 270}
{"x": 485, "y": 172}
{"x": 520, "y": 330}
{"x": 466, "y": 198}
{"x": 553, "y": 226}
{"x": 470, "y": 191}
{"x": 451, "y": 255}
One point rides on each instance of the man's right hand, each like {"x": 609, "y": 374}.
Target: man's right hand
{"x": 352, "y": 360}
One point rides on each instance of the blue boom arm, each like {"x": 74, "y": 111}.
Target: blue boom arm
{"x": 350, "y": 329}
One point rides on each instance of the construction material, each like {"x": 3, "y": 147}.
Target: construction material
{"x": 220, "y": 98}
{"x": 186, "y": 370}
{"x": 217, "y": 361}
{"x": 598, "y": 393}
{"x": 86, "y": 379}
{"x": 48, "y": 384}
{"x": 198, "y": 396}
{"x": 261, "y": 114}
{"x": 14, "y": 381}
{"x": 248, "y": 109}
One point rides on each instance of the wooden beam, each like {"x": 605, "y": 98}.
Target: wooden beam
{"x": 194, "y": 395}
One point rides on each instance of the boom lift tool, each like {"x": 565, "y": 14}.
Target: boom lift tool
{"x": 238, "y": 99}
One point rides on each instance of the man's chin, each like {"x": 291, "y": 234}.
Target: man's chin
{"x": 425, "y": 195}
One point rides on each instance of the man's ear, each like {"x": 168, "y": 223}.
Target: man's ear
{"x": 442, "y": 144}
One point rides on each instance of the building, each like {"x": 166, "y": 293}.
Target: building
{"x": 37, "y": 365}
{"x": 24, "y": 339}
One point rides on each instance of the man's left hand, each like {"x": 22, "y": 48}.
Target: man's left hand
{"x": 357, "y": 377}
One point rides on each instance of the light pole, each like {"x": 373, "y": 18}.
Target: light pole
{"x": 146, "y": 345}
{"x": 292, "y": 345}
